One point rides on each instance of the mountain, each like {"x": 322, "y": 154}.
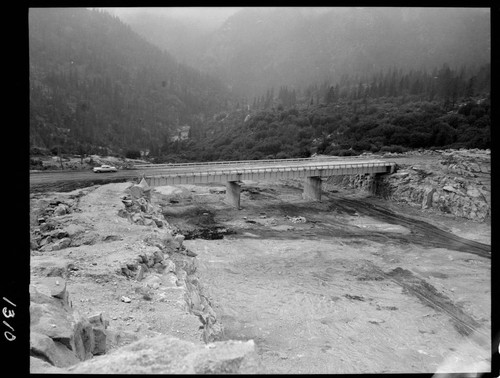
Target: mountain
{"x": 260, "y": 48}
{"x": 256, "y": 49}
{"x": 269, "y": 82}
{"x": 182, "y": 38}
{"x": 95, "y": 83}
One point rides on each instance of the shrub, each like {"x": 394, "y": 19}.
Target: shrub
{"x": 56, "y": 150}
{"x": 36, "y": 164}
{"x": 361, "y": 146}
{"x": 39, "y": 151}
{"x": 133, "y": 154}
{"x": 283, "y": 155}
{"x": 394, "y": 148}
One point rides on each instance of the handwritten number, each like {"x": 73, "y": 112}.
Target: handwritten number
{"x": 8, "y": 313}
{"x": 9, "y": 336}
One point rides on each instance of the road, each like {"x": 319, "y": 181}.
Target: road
{"x": 57, "y": 177}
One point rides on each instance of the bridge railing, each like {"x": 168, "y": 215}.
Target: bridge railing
{"x": 245, "y": 162}
{"x": 242, "y": 170}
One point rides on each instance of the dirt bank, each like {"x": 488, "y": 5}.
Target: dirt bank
{"x": 118, "y": 262}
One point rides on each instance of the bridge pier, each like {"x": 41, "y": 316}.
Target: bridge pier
{"x": 312, "y": 188}
{"x": 233, "y": 190}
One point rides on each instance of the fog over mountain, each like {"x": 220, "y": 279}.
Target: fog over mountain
{"x": 254, "y": 49}
{"x": 257, "y": 83}
{"x": 183, "y": 31}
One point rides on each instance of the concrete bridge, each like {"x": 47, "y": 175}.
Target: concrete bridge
{"x": 311, "y": 170}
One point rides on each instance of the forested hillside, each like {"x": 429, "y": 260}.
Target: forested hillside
{"x": 96, "y": 86}
{"x": 394, "y": 111}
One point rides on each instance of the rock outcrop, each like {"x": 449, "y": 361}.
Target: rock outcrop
{"x": 157, "y": 269}
{"x": 47, "y": 233}
{"x": 459, "y": 184}
{"x": 138, "y": 207}
{"x": 166, "y": 262}
{"x": 60, "y": 335}
{"x": 167, "y": 355}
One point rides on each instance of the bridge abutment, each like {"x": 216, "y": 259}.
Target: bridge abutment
{"x": 233, "y": 190}
{"x": 312, "y": 188}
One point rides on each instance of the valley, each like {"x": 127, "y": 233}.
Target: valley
{"x": 289, "y": 190}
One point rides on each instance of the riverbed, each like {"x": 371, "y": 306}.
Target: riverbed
{"x": 343, "y": 286}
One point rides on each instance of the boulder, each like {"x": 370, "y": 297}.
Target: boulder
{"x": 427, "y": 198}
{"x": 85, "y": 238}
{"x": 73, "y": 230}
{"x": 137, "y": 218}
{"x": 169, "y": 279}
{"x": 61, "y": 209}
{"x": 52, "y": 351}
{"x": 147, "y": 258}
{"x": 47, "y": 226}
{"x": 43, "y": 242}
{"x": 127, "y": 202}
{"x": 143, "y": 204}
{"x": 136, "y": 191}
{"x": 100, "y": 340}
{"x": 148, "y": 222}
{"x": 140, "y": 272}
{"x": 449, "y": 188}
{"x": 158, "y": 255}
{"x": 33, "y": 244}
{"x": 122, "y": 213}
{"x": 169, "y": 265}
{"x": 159, "y": 222}
{"x": 158, "y": 267}
{"x": 39, "y": 366}
{"x": 167, "y": 355}
{"x": 181, "y": 274}
{"x": 53, "y": 286}
{"x": 153, "y": 281}
{"x": 96, "y": 320}
{"x": 54, "y": 317}
{"x": 146, "y": 188}
{"x": 51, "y": 266}
{"x": 179, "y": 239}
{"x": 99, "y": 326}
{"x": 473, "y": 192}
{"x": 61, "y": 244}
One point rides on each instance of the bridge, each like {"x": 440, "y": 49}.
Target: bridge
{"x": 232, "y": 173}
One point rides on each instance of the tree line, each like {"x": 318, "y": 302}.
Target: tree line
{"x": 390, "y": 112}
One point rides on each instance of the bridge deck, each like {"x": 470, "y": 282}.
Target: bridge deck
{"x": 262, "y": 170}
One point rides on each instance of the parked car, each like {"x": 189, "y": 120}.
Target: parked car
{"x": 105, "y": 168}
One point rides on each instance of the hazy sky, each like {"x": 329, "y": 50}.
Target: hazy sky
{"x": 209, "y": 15}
